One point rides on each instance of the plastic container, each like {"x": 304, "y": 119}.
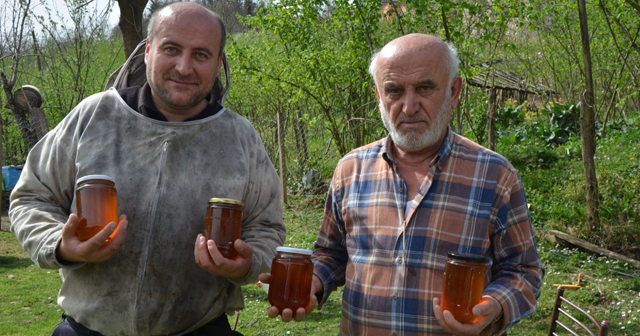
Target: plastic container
{"x": 291, "y": 275}
{"x": 463, "y": 285}
{"x": 224, "y": 224}
{"x": 96, "y": 204}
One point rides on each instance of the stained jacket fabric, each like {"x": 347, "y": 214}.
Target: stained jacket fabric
{"x": 165, "y": 173}
{"x": 471, "y": 201}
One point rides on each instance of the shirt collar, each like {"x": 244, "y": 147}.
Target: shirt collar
{"x": 439, "y": 160}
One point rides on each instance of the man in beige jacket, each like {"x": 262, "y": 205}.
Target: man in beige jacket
{"x": 170, "y": 146}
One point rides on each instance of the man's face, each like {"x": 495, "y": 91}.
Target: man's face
{"x": 410, "y": 139}
{"x": 415, "y": 97}
{"x": 183, "y": 61}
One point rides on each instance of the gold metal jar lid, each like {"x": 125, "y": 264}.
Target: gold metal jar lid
{"x": 225, "y": 201}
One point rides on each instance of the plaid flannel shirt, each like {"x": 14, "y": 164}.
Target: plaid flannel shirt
{"x": 471, "y": 201}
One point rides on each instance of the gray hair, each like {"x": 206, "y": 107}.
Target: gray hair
{"x": 452, "y": 63}
{"x": 154, "y": 17}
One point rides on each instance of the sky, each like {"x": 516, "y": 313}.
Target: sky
{"x": 59, "y": 5}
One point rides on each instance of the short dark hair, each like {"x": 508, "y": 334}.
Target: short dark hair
{"x": 154, "y": 16}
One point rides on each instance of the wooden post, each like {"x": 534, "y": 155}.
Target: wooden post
{"x": 491, "y": 120}
{"x": 281, "y": 155}
{"x": 38, "y": 122}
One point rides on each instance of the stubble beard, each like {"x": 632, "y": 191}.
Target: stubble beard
{"x": 412, "y": 141}
{"x": 167, "y": 96}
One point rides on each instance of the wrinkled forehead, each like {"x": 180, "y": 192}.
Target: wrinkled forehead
{"x": 412, "y": 59}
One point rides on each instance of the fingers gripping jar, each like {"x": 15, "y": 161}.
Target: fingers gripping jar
{"x": 96, "y": 204}
{"x": 463, "y": 285}
{"x": 291, "y": 275}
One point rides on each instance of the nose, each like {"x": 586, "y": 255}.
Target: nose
{"x": 410, "y": 104}
{"x": 184, "y": 64}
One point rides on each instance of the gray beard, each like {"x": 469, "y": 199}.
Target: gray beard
{"x": 413, "y": 141}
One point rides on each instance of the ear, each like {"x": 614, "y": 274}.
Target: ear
{"x": 377, "y": 92}
{"x": 456, "y": 88}
{"x": 146, "y": 52}
{"x": 222, "y": 54}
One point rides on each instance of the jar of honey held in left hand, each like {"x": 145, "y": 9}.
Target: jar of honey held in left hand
{"x": 96, "y": 204}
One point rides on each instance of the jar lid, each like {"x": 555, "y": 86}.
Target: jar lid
{"x": 293, "y": 250}
{"x": 96, "y": 177}
{"x": 225, "y": 201}
{"x": 467, "y": 257}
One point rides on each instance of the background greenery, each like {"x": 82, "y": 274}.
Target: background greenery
{"x": 306, "y": 62}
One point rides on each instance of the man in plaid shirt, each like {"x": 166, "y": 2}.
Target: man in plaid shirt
{"x": 397, "y": 206}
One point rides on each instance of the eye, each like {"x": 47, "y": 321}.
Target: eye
{"x": 393, "y": 91}
{"x": 201, "y": 56}
{"x": 171, "y": 50}
{"x": 424, "y": 88}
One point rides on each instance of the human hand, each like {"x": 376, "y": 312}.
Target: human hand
{"x": 95, "y": 249}
{"x": 487, "y": 311}
{"x": 287, "y": 313}
{"x": 209, "y": 258}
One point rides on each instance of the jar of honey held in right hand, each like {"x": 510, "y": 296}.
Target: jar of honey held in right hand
{"x": 463, "y": 285}
{"x": 291, "y": 275}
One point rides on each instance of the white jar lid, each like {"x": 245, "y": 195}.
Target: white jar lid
{"x": 293, "y": 250}
{"x": 96, "y": 177}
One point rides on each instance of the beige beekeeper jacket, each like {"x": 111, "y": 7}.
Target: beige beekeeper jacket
{"x": 165, "y": 173}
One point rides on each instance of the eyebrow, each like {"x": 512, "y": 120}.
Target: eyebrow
{"x": 388, "y": 86}
{"x": 427, "y": 82}
{"x": 171, "y": 43}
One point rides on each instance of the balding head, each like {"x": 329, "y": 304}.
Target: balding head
{"x": 176, "y": 9}
{"x": 413, "y": 43}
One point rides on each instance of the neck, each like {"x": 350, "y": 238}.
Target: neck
{"x": 416, "y": 158}
{"x": 178, "y": 115}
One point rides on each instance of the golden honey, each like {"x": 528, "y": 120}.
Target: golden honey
{"x": 463, "y": 285}
{"x": 224, "y": 224}
{"x": 96, "y": 204}
{"x": 291, "y": 275}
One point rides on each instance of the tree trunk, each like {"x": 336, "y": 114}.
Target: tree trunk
{"x": 587, "y": 124}
{"x": 491, "y": 120}
{"x": 131, "y": 23}
{"x": 283, "y": 164}
{"x": 301, "y": 138}
{"x": 28, "y": 135}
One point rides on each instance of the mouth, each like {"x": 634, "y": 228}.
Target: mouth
{"x": 180, "y": 83}
{"x": 412, "y": 124}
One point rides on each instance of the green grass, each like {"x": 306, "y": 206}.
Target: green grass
{"x": 28, "y": 305}
{"x": 27, "y": 293}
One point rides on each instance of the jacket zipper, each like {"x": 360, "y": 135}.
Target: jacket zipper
{"x": 145, "y": 250}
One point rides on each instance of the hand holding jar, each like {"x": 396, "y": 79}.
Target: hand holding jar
{"x": 220, "y": 250}
{"x": 209, "y": 258}
{"x": 96, "y": 232}
{"x": 463, "y": 309}
{"x": 292, "y": 285}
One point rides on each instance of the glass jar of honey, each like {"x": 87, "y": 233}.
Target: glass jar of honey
{"x": 96, "y": 204}
{"x": 224, "y": 224}
{"x": 291, "y": 275}
{"x": 463, "y": 285}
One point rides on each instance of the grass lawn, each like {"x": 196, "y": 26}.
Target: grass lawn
{"x": 611, "y": 289}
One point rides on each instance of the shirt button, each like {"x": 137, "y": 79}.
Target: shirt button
{"x": 394, "y": 334}
{"x": 395, "y": 296}
{"x": 400, "y": 189}
{"x": 399, "y": 260}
